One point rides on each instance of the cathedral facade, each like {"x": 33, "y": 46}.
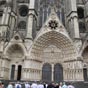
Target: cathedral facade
{"x": 44, "y": 40}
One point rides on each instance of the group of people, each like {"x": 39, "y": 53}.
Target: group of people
{"x": 37, "y": 85}
{"x": 60, "y": 85}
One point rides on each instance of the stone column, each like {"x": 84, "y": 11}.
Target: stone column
{"x": 52, "y": 72}
{"x": 16, "y": 71}
{"x": 1, "y": 47}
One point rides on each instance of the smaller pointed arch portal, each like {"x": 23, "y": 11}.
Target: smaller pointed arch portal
{"x": 58, "y": 73}
{"x": 85, "y": 74}
{"x": 46, "y": 72}
{"x": 12, "y": 72}
{"x": 85, "y": 60}
{"x": 19, "y": 72}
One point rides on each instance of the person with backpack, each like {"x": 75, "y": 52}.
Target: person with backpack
{"x": 18, "y": 85}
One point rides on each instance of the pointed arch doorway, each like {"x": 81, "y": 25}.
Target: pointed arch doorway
{"x": 12, "y": 72}
{"x": 19, "y": 72}
{"x": 46, "y": 72}
{"x": 85, "y": 60}
{"x": 58, "y": 73}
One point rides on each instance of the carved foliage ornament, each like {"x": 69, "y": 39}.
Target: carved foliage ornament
{"x": 53, "y": 24}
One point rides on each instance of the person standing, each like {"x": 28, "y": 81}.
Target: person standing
{"x": 40, "y": 85}
{"x": 70, "y": 86}
{"x": 10, "y": 85}
{"x": 18, "y": 85}
{"x": 56, "y": 85}
{"x": 34, "y": 85}
{"x": 64, "y": 85}
{"x": 60, "y": 86}
{"x": 51, "y": 85}
{"x": 27, "y": 85}
{"x": 44, "y": 84}
{"x": 1, "y": 86}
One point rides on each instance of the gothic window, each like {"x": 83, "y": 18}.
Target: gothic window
{"x": 58, "y": 13}
{"x": 80, "y": 12}
{"x": 2, "y": 2}
{"x": 1, "y": 13}
{"x": 40, "y": 17}
{"x": 82, "y": 28}
{"x": 49, "y": 11}
{"x": 23, "y": 11}
{"x": 63, "y": 17}
{"x": 36, "y": 5}
{"x": 7, "y": 35}
{"x": 53, "y": 24}
{"x": 34, "y": 28}
{"x": 22, "y": 25}
{"x": 45, "y": 15}
{"x": 16, "y": 37}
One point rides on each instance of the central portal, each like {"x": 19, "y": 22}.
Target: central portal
{"x": 53, "y": 49}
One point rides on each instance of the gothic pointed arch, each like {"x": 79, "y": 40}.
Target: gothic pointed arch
{"x": 61, "y": 41}
{"x": 85, "y": 62}
{"x": 15, "y": 50}
{"x": 46, "y": 72}
{"x": 16, "y": 43}
{"x": 58, "y": 72}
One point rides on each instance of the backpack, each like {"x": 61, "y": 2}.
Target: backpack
{"x": 18, "y": 86}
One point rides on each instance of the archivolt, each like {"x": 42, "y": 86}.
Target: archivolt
{"x": 53, "y": 38}
{"x": 15, "y": 50}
